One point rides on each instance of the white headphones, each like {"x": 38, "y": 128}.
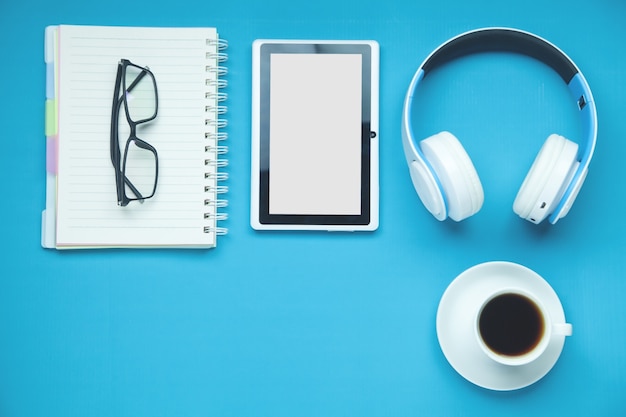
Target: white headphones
{"x": 443, "y": 174}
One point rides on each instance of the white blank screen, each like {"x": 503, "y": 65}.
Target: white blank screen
{"x": 315, "y": 134}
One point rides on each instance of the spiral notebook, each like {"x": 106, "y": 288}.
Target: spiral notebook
{"x": 82, "y": 208}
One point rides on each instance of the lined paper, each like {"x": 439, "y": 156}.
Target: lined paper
{"x": 87, "y": 210}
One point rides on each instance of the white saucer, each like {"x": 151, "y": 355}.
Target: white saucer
{"x": 455, "y": 325}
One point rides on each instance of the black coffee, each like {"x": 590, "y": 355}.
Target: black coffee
{"x": 511, "y": 324}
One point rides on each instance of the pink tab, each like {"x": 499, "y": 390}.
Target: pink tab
{"x": 52, "y": 154}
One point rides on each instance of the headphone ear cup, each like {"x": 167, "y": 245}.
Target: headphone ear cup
{"x": 547, "y": 180}
{"x": 462, "y": 189}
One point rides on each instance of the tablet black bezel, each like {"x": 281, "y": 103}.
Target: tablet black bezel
{"x": 267, "y": 218}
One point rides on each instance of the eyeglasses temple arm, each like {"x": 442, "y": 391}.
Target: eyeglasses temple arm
{"x": 114, "y": 143}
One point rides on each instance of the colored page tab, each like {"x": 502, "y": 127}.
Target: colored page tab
{"x": 51, "y": 118}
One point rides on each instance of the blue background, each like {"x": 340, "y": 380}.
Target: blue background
{"x": 318, "y": 324}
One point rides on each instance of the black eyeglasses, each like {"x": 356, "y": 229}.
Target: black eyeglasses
{"x": 136, "y": 173}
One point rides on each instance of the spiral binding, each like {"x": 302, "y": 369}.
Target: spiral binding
{"x": 215, "y": 150}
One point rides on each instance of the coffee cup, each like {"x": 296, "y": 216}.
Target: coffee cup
{"x": 514, "y": 328}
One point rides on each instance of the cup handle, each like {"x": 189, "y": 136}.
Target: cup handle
{"x": 562, "y": 329}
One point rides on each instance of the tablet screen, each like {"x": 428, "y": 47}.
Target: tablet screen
{"x": 315, "y": 136}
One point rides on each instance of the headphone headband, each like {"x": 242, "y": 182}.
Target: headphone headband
{"x": 525, "y": 43}
{"x": 502, "y": 40}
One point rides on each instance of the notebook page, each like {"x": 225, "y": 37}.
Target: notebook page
{"x": 88, "y": 214}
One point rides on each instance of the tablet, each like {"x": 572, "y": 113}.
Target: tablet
{"x": 314, "y": 135}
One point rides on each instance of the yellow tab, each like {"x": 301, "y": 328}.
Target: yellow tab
{"x": 51, "y": 118}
